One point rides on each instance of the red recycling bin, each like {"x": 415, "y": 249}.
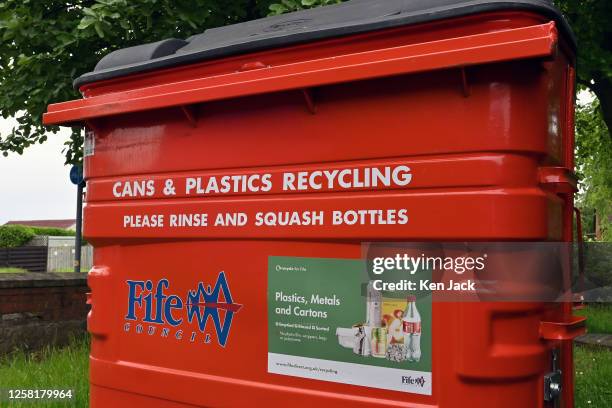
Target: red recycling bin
{"x": 233, "y": 177}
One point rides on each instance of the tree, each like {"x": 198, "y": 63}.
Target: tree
{"x": 46, "y": 44}
{"x": 591, "y": 21}
{"x": 594, "y": 165}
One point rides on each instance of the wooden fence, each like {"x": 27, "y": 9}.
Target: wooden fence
{"x": 61, "y": 259}
{"x": 31, "y": 258}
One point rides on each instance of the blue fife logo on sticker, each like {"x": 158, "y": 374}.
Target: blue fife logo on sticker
{"x": 153, "y": 310}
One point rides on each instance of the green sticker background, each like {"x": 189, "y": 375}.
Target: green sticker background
{"x": 347, "y": 279}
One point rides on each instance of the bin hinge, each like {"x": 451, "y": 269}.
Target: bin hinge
{"x": 465, "y": 85}
{"x": 190, "y": 114}
{"x": 553, "y": 383}
{"x": 309, "y": 100}
{"x": 94, "y": 126}
{"x": 559, "y": 180}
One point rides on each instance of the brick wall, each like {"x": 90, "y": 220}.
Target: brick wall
{"x": 41, "y": 309}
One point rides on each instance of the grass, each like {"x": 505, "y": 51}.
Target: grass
{"x": 599, "y": 317}
{"x": 60, "y": 368}
{"x": 593, "y": 366}
{"x": 12, "y": 270}
{"x": 68, "y": 368}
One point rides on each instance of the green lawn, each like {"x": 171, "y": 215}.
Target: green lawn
{"x": 594, "y": 364}
{"x": 599, "y": 317}
{"x": 12, "y": 270}
{"x": 50, "y": 368}
{"x": 593, "y": 367}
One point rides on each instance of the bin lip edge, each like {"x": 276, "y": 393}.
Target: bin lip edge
{"x": 534, "y": 41}
{"x": 356, "y": 27}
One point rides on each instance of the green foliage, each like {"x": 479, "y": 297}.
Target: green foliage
{"x": 591, "y": 21}
{"x": 54, "y": 232}
{"x": 597, "y": 269}
{"x": 17, "y": 235}
{"x": 594, "y": 164}
{"x": 599, "y": 317}
{"x": 12, "y": 270}
{"x": 50, "y": 368}
{"x": 44, "y": 45}
{"x": 593, "y": 365}
{"x": 593, "y": 371}
{"x": 14, "y": 235}
{"x": 286, "y": 6}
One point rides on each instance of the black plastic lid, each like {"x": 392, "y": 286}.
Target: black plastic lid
{"x": 356, "y": 16}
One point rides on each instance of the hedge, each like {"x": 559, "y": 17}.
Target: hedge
{"x": 15, "y": 235}
{"x": 18, "y": 235}
{"x": 53, "y": 232}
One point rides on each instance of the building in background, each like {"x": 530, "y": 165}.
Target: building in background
{"x": 68, "y": 224}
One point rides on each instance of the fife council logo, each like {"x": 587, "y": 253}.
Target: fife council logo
{"x": 410, "y": 380}
{"x": 153, "y": 310}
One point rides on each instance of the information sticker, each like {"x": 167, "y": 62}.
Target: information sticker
{"x": 329, "y": 320}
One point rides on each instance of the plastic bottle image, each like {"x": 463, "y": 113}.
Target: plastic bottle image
{"x": 411, "y": 326}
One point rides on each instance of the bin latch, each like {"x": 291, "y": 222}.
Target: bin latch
{"x": 553, "y": 381}
{"x": 559, "y": 180}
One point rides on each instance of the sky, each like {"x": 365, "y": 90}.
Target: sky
{"x": 36, "y": 185}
